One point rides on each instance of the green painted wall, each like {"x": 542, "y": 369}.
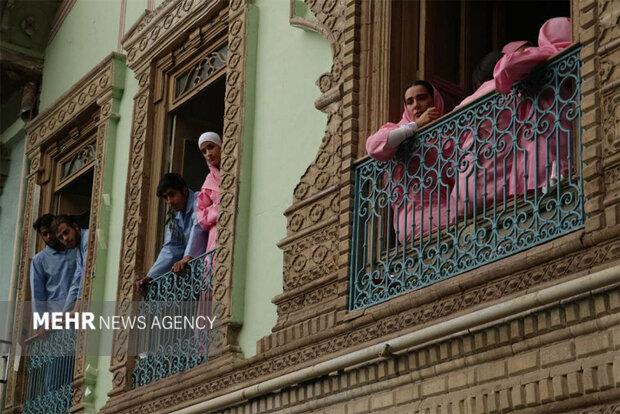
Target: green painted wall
{"x": 288, "y": 130}
{"x": 117, "y": 199}
{"x": 14, "y": 140}
{"x": 88, "y": 34}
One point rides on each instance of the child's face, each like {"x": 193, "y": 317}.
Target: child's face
{"x": 212, "y": 153}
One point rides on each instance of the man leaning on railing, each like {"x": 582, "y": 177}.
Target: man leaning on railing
{"x": 183, "y": 236}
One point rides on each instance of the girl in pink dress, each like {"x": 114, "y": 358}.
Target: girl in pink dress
{"x": 208, "y": 199}
{"x": 206, "y": 209}
{"x": 423, "y": 209}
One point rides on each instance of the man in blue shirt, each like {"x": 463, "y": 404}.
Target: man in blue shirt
{"x": 184, "y": 239}
{"x": 51, "y": 270}
{"x": 70, "y": 234}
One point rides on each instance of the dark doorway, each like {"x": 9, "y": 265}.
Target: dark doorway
{"x": 456, "y": 35}
{"x": 204, "y": 112}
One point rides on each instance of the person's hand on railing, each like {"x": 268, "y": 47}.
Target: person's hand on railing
{"x": 39, "y": 333}
{"x": 427, "y": 117}
{"x": 141, "y": 284}
{"x": 180, "y": 265}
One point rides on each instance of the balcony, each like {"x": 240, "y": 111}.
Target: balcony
{"x": 492, "y": 179}
{"x": 164, "y": 352}
{"x": 49, "y": 372}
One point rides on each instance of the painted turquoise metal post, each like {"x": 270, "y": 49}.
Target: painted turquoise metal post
{"x": 161, "y": 351}
{"x": 49, "y": 373}
{"x": 494, "y": 178}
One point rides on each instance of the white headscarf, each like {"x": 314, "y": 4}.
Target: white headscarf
{"x": 209, "y": 137}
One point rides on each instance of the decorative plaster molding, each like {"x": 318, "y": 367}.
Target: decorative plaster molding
{"x": 61, "y": 14}
{"x": 98, "y": 92}
{"x": 92, "y": 87}
{"x": 175, "y": 21}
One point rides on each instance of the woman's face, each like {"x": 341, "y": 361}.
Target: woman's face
{"x": 417, "y": 100}
{"x": 212, "y": 153}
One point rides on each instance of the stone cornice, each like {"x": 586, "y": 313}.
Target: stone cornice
{"x": 95, "y": 84}
{"x": 162, "y": 27}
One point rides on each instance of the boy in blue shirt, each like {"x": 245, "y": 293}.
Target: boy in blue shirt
{"x": 70, "y": 234}
{"x": 184, "y": 239}
{"x": 51, "y": 270}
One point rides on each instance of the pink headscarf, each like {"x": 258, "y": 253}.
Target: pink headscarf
{"x": 437, "y": 103}
{"x": 376, "y": 144}
{"x": 514, "y": 46}
{"x": 556, "y": 34}
{"x": 208, "y": 205}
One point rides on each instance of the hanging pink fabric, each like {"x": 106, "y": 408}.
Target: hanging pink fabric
{"x": 208, "y": 205}
{"x": 207, "y": 208}
{"x": 482, "y": 182}
{"x": 539, "y": 153}
{"x": 424, "y": 207}
{"x": 481, "y": 164}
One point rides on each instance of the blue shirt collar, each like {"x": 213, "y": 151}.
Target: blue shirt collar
{"x": 50, "y": 250}
{"x": 189, "y": 204}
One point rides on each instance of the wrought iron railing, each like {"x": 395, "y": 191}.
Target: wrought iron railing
{"x": 162, "y": 350}
{"x": 49, "y": 372}
{"x": 494, "y": 178}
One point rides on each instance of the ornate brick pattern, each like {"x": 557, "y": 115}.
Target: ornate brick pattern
{"x": 161, "y": 25}
{"x": 600, "y": 36}
{"x": 562, "y": 356}
{"x": 92, "y": 86}
{"x": 316, "y": 227}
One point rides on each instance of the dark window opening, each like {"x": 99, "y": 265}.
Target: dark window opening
{"x": 74, "y": 198}
{"x": 456, "y": 36}
{"x": 204, "y": 112}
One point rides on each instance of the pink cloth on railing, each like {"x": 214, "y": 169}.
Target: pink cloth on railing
{"x": 481, "y": 165}
{"x": 538, "y": 149}
{"x": 423, "y": 209}
{"x": 207, "y": 208}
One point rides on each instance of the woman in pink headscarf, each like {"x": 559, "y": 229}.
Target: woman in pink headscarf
{"x": 424, "y": 206}
{"x": 206, "y": 209}
{"x": 531, "y": 168}
{"x": 208, "y": 200}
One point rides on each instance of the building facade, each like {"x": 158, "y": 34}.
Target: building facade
{"x": 321, "y": 307}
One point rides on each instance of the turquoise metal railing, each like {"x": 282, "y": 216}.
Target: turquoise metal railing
{"x": 494, "y": 178}
{"x": 49, "y": 373}
{"x": 161, "y": 350}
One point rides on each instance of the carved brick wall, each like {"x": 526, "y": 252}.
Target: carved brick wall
{"x": 560, "y": 359}
{"x": 599, "y": 33}
{"x": 313, "y": 321}
{"x": 316, "y": 246}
